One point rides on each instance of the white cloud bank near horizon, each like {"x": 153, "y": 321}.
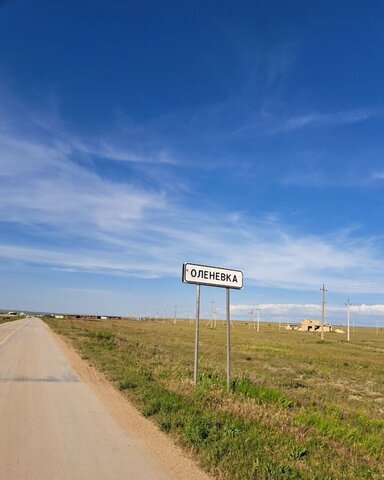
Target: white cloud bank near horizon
{"x": 307, "y": 309}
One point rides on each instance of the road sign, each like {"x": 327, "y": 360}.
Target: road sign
{"x": 212, "y": 276}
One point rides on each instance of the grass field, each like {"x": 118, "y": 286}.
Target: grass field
{"x": 5, "y": 319}
{"x": 298, "y": 408}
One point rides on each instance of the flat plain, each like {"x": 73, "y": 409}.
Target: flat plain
{"x": 298, "y": 407}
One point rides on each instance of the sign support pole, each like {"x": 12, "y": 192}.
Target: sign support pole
{"x": 228, "y": 339}
{"x": 196, "y": 334}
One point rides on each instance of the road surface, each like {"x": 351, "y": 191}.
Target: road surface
{"x": 52, "y": 424}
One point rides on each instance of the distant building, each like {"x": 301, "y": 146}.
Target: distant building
{"x": 292, "y": 326}
{"x": 310, "y": 325}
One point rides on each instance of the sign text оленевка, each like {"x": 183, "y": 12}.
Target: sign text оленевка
{"x": 213, "y": 276}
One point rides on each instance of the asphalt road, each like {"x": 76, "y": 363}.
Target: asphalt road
{"x": 52, "y": 425}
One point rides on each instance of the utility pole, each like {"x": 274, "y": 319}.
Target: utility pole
{"x": 252, "y": 319}
{"x": 258, "y": 318}
{"x": 323, "y": 311}
{"x": 348, "y": 320}
{"x": 175, "y": 317}
{"x": 212, "y": 321}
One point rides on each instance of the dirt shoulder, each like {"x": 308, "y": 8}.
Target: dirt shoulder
{"x": 169, "y": 455}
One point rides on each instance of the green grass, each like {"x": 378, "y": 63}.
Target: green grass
{"x": 261, "y": 394}
{"x": 10, "y": 319}
{"x": 298, "y": 408}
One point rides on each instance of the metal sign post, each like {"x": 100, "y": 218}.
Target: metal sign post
{"x": 228, "y": 339}
{"x": 213, "y": 277}
{"x": 196, "y": 334}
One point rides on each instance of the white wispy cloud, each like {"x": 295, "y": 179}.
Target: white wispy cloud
{"x": 42, "y": 184}
{"x": 99, "y": 260}
{"x": 269, "y": 123}
{"x": 116, "y": 152}
{"x": 84, "y": 221}
{"x": 318, "y": 119}
{"x": 156, "y": 245}
{"x": 377, "y": 176}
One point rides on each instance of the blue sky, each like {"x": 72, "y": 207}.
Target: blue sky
{"x": 247, "y": 135}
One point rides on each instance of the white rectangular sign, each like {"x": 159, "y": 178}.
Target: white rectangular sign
{"x": 212, "y": 276}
